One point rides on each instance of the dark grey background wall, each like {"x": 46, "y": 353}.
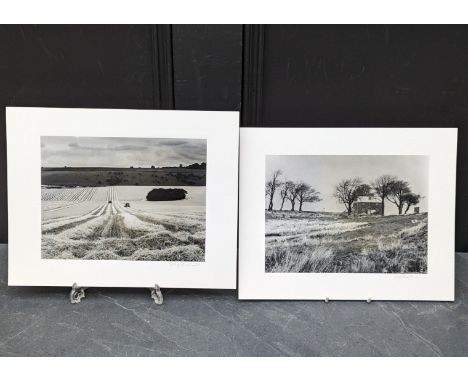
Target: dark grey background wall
{"x": 275, "y": 75}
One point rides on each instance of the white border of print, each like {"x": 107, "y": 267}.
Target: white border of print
{"x": 440, "y": 144}
{"x": 24, "y": 129}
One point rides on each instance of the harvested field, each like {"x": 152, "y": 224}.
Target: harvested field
{"x": 334, "y": 243}
{"x": 93, "y": 223}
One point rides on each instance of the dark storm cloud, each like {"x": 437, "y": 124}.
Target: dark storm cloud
{"x": 129, "y": 148}
{"x": 120, "y": 152}
{"x": 75, "y": 145}
{"x": 175, "y": 142}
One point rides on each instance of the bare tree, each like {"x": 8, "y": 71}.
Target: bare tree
{"x": 271, "y": 186}
{"x": 305, "y": 193}
{"x": 301, "y": 189}
{"x": 286, "y": 187}
{"x": 397, "y": 194}
{"x": 349, "y": 190}
{"x": 382, "y": 187}
{"x": 410, "y": 199}
{"x": 293, "y": 194}
{"x": 312, "y": 196}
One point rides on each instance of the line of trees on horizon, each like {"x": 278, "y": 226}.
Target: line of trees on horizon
{"x": 294, "y": 192}
{"x": 385, "y": 187}
{"x": 347, "y": 192}
{"x": 193, "y": 166}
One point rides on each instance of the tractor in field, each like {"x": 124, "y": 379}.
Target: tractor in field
{"x": 127, "y": 204}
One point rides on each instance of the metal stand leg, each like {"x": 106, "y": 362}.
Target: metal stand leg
{"x": 369, "y": 300}
{"x": 76, "y": 294}
{"x": 156, "y": 294}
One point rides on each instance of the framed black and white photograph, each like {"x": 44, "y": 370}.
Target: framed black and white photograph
{"x": 122, "y": 198}
{"x": 347, "y": 213}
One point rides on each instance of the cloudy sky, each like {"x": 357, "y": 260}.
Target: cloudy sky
{"x": 120, "y": 152}
{"x": 324, "y": 172}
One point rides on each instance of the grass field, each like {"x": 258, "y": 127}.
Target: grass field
{"x": 101, "y": 176}
{"x": 93, "y": 223}
{"x": 329, "y": 242}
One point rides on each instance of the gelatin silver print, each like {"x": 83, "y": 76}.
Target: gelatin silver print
{"x": 346, "y": 214}
{"x": 123, "y": 198}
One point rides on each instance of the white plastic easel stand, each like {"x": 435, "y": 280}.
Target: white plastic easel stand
{"x": 156, "y": 294}
{"x": 77, "y": 293}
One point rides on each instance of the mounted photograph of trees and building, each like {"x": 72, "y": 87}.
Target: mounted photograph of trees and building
{"x": 123, "y": 198}
{"x": 346, "y": 214}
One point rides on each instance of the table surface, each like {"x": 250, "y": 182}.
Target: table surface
{"x": 126, "y": 322}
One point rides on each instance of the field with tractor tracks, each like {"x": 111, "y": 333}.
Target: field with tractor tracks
{"x": 117, "y": 223}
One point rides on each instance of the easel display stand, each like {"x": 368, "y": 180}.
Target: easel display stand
{"x": 77, "y": 293}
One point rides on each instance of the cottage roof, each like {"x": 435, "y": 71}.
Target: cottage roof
{"x": 371, "y": 198}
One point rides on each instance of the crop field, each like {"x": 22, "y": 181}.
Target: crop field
{"x": 100, "y": 177}
{"x": 331, "y": 242}
{"x": 93, "y": 223}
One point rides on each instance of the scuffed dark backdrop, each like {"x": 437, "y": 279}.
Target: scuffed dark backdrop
{"x": 275, "y": 75}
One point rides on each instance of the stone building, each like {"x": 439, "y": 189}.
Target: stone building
{"x": 367, "y": 206}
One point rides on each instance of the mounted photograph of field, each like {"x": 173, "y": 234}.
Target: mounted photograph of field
{"x": 346, "y": 214}
{"x": 122, "y": 198}
{"x": 110, "y": 198}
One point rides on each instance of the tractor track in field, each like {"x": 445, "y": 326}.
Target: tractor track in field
{"x": 109, "y": 229}
{"x": 172, "y": 227}
{"x": 114, "y": 225}
{"x": 92, "y": 211}
{"x": 101, "y": 210}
